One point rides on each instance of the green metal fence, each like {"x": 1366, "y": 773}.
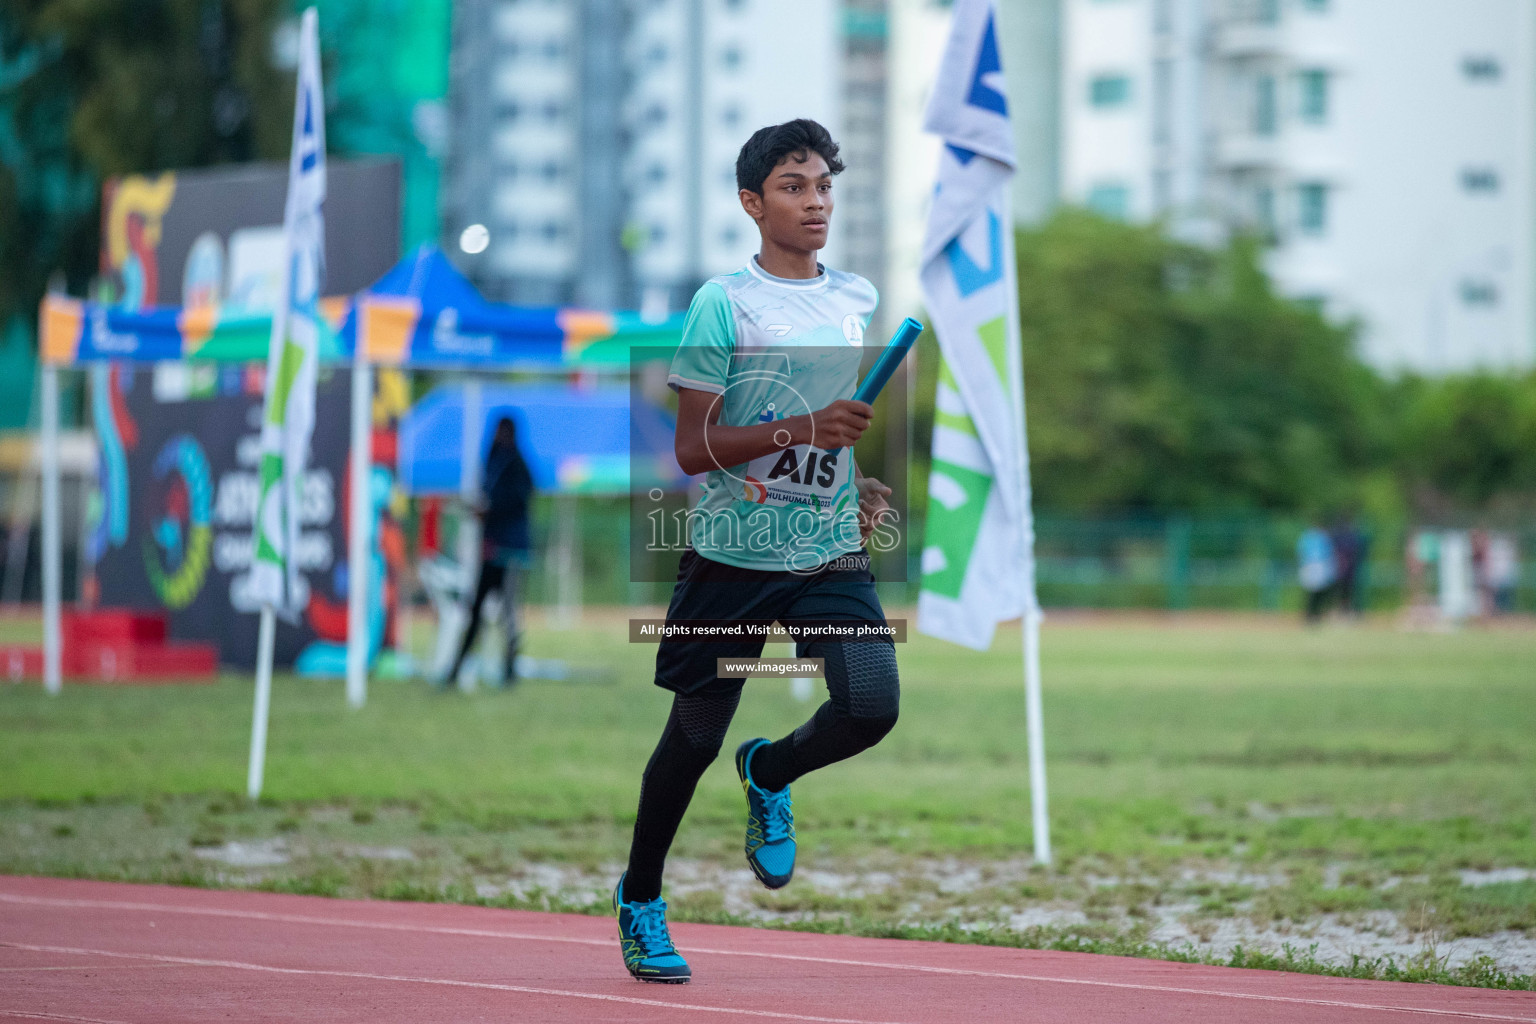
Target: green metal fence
{"x": 1175, "y": 562}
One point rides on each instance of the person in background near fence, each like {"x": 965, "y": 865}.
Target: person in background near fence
{"x": 1317, "y": 569}
{"x": 1349, "y": 550}
{"x": 1501, "y": 573}
{"x": 506, "y": 490}
{"x": 1479, "y": 541}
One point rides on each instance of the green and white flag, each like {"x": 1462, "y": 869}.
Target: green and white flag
{"x": 289, "y": 416}
{"x": 977, "y": 560}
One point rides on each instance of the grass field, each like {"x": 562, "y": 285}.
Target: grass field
{"x": 1206, "y": 774}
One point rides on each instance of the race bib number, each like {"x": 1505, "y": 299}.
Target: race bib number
{"x": 801, "y": 475}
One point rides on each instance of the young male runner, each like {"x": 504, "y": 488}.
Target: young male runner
{"x": 764, "y": 376}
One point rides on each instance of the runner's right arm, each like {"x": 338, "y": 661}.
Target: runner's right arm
{"x": 702, "y": 443}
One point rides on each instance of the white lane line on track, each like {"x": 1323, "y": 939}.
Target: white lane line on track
{"x": 77, "y": 967}
{"x": 36, "y": 1015}
{"x": 258, "y": 915}
{"x": 448, "y": 982}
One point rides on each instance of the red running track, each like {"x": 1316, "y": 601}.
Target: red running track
{"x": 109, "y": 953}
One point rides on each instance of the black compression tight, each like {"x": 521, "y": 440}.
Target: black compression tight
{"x": 863, "y": 701}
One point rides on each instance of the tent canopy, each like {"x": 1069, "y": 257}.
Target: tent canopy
{"x": 422, "y": 313}
{"x": 576, "y": 440}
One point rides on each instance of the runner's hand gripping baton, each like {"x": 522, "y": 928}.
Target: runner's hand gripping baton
{"x": 895, "y": 351}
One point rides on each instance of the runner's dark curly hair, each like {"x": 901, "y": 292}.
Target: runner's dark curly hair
{"x": 767, "y": 146}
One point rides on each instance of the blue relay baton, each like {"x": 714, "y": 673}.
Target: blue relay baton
{"x": 895, "y": 351}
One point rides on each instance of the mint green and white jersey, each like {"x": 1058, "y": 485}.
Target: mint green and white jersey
{"x": 775, "y": 348}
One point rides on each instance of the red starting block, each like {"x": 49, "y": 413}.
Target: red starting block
{"x": 116, "y": 646}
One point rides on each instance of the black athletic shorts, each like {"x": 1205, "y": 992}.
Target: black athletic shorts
{"x": 842, "y": 590}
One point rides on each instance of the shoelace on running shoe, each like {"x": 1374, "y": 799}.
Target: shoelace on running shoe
{"x": 649, "y": 923}
{"x": 778, "y": 823}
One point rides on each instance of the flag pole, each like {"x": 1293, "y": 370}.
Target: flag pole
{"x": 1034, "y": 715}
{"x": 53, "y": 572}
{"x": 973, "y": 301}
{"x": 1034, "y": 724}
{"x": 360, "y": 535}
{"x": 264, "y": 642}
{"x": 288, "y": 411}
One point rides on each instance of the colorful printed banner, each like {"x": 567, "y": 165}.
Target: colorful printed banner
{"x": 75, "y": 333}
{"x": 977, "y": 562}
{"x": 293, "y": 362}
{"x": 180, "y": 541}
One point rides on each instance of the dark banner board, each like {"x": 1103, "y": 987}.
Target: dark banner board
{"x": 214, "y": 236}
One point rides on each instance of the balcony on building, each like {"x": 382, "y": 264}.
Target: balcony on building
{"x": 1249, "y": 28}
{"x": 1248, "y": 151}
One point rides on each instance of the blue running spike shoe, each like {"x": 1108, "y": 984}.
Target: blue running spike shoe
{"x": 645, "y": 942}
{"x": 770, "y": 824}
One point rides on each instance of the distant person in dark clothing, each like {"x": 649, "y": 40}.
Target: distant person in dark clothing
{"x": 1349, "y": 550}
{"x": 505, "y": 543}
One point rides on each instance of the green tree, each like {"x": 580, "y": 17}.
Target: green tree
{"x": 95, "y": 88}
{"x": 1161, "y": 376}
{"x": 1468, "y": 443}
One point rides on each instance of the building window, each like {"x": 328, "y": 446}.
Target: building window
{"x": 730, "y": 236}
{"x": 1265, "y": 113}
{"x": 1312, "y": 208}
{"x": 550, "y": 171}
{"x": 1314, "y": 96}
{"x": 1267, "y": 12}
{"x": 1315, "y": 6}
{"x": 730, "y": 116}
{"x": 658, "y": 234}
{"x": 1480, "y": 179}
{"x": 656, "y": 55}
{"x": 1264, "y": 211}
{"x": 553, "y": 110}
{"x": 656, "y": 115}
{"x": 1481, "y": 68}
{"x": 730, "y": 58}
{"x": 655, "y": 174}
{"x": 1113, "y": 201}
{"x": 551, "y": 231}
{"x": 1479, "y": 293}
{"x": 1109, "y": 91}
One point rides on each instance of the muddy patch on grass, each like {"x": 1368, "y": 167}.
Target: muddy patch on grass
{"x": 1017, "y": 896}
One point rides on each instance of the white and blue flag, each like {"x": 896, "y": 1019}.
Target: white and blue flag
{"x": 977, "y": 561}
{"x": 292, "y": 359}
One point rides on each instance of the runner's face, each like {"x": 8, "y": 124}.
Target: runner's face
{"x": 796, "y": 204}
